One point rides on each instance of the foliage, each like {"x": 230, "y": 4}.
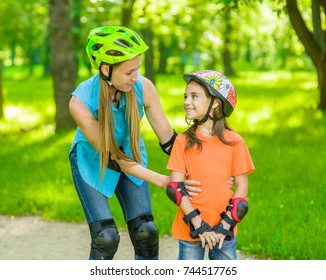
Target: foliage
{"x": 258, "y": 36}
{"x": 275, "y": 114}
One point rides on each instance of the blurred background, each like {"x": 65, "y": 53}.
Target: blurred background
{"x": 273, "y": 52}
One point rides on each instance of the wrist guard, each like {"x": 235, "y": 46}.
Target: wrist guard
{"x": 204, "y": 227}
{"x": 175, "y": 191}
{"x": 167, "y": 147}
{"x": 220, "y": 229}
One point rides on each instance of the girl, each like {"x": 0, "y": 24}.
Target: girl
{"x": 211, "y": 152}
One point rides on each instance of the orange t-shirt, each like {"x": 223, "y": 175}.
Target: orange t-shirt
{"x": 212, "y": 166}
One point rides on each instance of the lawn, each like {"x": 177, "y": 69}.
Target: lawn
{"x": 276, "y": 115}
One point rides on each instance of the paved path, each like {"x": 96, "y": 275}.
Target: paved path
{"x": 31, "y": 238}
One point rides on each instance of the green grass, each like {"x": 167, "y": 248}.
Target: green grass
{"x": 275, "y": 114}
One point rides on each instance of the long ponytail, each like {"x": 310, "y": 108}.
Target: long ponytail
{"x": 108, "y": 145}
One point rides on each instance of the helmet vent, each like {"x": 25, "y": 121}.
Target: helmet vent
{"x": 114, "y": 53}
{"x": 123, "y": 43}
{"x": 96, "y": 47}
{"x": 102, "y": 34}
{"x": 135, "y": 40}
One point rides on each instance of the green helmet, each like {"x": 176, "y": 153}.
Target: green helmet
{"x": 113, "y": 44}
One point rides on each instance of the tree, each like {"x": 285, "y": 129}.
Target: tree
{"x": 313, "y": 41}
{"x": 62, "y": 61}
{"x": 127, "y": 6}
{"x": 1, "y": 93}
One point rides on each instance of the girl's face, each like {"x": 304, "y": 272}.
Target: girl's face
{"x": 126, "y": 73}
{"x": 196, "y": 101}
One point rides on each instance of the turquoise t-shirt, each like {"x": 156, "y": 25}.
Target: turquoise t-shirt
{"x": 88, "y": 158}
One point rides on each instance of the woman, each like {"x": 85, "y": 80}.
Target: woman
{"x": 108, "y": 155}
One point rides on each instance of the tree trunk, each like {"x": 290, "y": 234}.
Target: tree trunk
{"x": 322, "y": 83}
{"x": 1, "y": 90}
{"x": 127, "y": 12}
{"x": 227, "y": 57}
{"x": 312, "y": 46}
{"x": 62, "y": 61}
{"x": 76, "y": 7}
{"x": 149, "y": 55}
{"x": 47, "y": 57}
{"x": 163, "y": 50}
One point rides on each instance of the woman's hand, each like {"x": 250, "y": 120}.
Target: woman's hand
{"x": 192, "y": 188}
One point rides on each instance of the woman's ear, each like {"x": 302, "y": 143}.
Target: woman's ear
{"x": 105, "y": 69}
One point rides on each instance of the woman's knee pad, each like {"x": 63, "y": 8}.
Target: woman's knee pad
{"x": 144, "y": 236}
{"x": 105, "y": 239}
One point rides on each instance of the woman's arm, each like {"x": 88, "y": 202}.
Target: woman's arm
{"x": 85, "y": 121}
{"x": 154, "y": 112}
{"x": 90, "y": 128}
{"x": 143, "y": 173}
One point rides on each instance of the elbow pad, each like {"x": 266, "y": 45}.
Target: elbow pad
{"x": 169, "y": 145}
{"x": 239, "y": 208}
{"x": 175, "y": 191}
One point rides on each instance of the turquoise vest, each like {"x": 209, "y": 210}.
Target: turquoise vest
{"x": 87, "y": 157}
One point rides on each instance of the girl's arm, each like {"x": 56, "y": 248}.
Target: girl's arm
{"x": 241, "y": 182}
{"x": 209, "y": 238}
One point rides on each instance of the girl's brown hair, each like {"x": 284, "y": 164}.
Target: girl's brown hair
{"x": 108, "y": 145}
{"x": 218, "y": 126}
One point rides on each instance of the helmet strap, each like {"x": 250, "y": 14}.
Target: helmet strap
{"x": 115, "y": 95}
{"x": 110, "y": 75}
{"x": 207, "y": 115}
{"x": 107, "y": 78}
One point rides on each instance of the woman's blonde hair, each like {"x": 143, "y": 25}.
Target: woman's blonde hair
{"x": 108, "y": 145}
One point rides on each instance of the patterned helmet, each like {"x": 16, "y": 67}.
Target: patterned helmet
{"x": 217, "y": 85}
{"x": 113, "y": 44}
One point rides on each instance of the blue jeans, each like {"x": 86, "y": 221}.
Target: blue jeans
{"x": 193, "y": 251}
{"x": 134, "y": 200}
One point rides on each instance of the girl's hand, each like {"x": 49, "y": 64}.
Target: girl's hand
{"x": 231, "y": 182}
{"x": 210, "y": 239}
{"x": 192, "y": 188}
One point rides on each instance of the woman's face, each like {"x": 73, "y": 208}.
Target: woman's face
{"x": 196, "y": 101}
{"x": 126, "y": 73}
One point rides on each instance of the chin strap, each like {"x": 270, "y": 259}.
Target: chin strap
{"x": 207, "y": 115}
{"x": 107, "y": 78}
{"x": 115, "y": 95}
